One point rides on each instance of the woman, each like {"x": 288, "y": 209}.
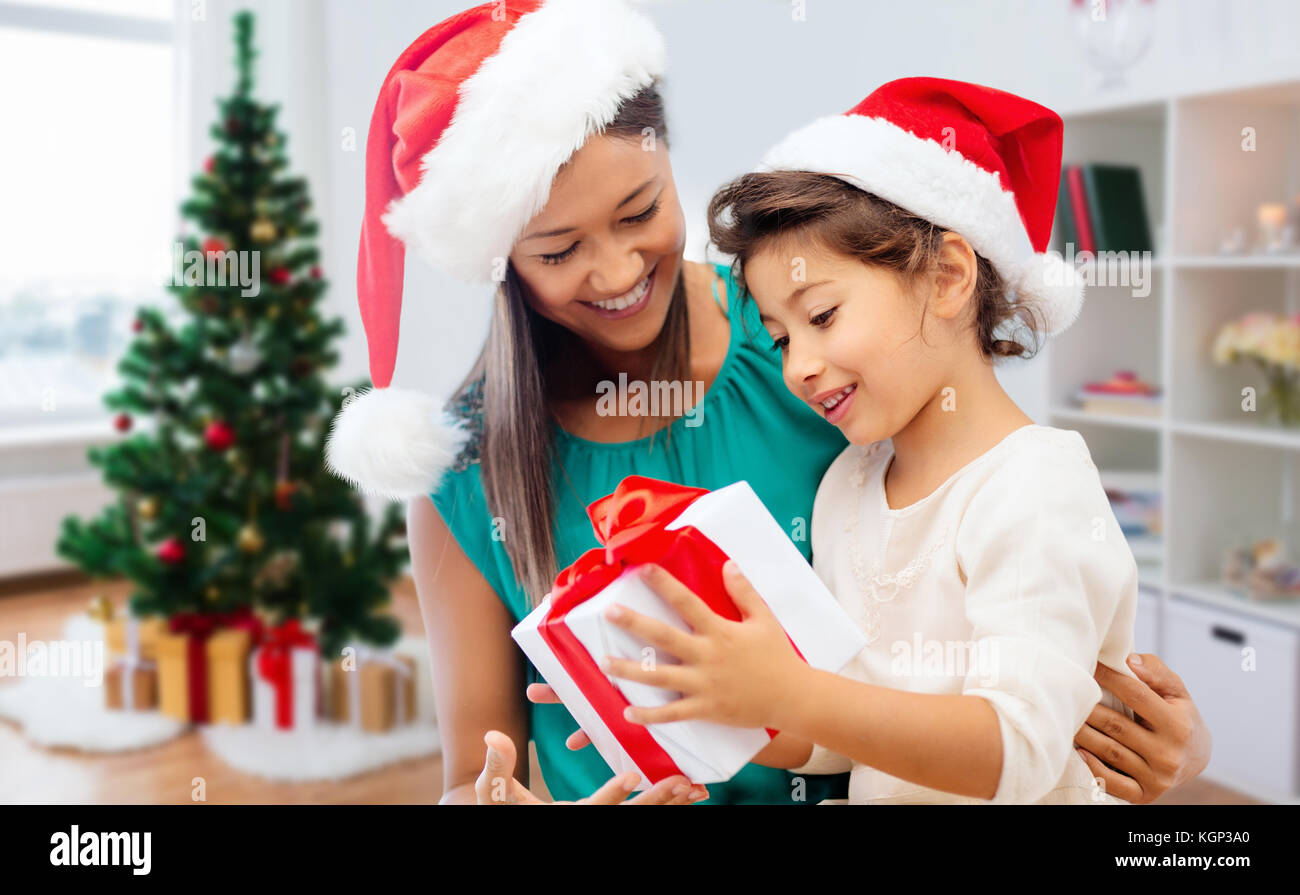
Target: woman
{"x": 524, "y": 143}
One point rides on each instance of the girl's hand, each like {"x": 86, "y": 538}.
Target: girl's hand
{"x": 740, "y": 673}
{"x": 1168, "y": 745}
{"x": 497, "y": 784}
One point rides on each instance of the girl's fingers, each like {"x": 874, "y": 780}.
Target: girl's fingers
{"x": 669, "y": 677}
{"x": 742, "y": 593}
{"x": 1117, "y": 755}
{"x": 541, "y": 693}
{"x": 665, "y": 792}
{"x": 1116, "y": 784}
{"x": 677, "y": 710}
{"x": 674, "y": 641}
{"x": 677, "y": 595}
{"x": 613, "y": 792}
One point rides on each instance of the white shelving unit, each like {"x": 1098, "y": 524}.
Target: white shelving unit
{"x": 1226, "y": 476}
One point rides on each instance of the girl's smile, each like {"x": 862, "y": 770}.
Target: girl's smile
{"x": 835, "y": 403}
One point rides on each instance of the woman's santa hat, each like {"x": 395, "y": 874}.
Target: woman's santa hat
{"x": 471, "y": 126}
{"x": 978, "y": 161}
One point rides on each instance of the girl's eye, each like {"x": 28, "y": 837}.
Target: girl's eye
{"x": 781, "y": 344}
{"x": 559, "y": 256}
{"x": 645, "y": 215}
{"x": 824, "y": 318}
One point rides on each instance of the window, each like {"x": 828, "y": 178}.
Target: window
{"x": 89, "y": 209}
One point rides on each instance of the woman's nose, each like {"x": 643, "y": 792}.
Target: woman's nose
{"x": 618, "y": 268}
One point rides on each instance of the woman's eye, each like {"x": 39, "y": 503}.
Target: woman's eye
{"x": 781, "y": 344}
{"x": 645, "y": 215}
{"x": 559, "y": 256}
{"x": 823, "y": 318}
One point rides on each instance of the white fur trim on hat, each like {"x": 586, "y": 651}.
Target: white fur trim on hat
{"x": 941, "y": 186}
{"x": 394, "y": 443}
{"x": 559, "y": 76}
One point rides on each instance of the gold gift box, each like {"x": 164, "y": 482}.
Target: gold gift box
{"x": 378, "y": 691}
{"x": 226, "y": 652}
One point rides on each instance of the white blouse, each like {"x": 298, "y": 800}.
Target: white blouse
{"x": 1010, "y": 581}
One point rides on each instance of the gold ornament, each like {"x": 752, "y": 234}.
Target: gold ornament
{"x": 213, "y": 593}
{"x": 273, "y": 311}
{"x": 147, "y": 507}
{"x": 100, "y": 608}
{"x": 262, "y": 230}
{"x": 250, "y": 539}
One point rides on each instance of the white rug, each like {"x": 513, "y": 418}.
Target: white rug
{"x": 327, "y": 751}
{"x": 64, "y": 712}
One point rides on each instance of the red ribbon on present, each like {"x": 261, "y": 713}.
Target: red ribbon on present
{"x": 275, "y": 665}
{"x": 197, "y": 628}
{"x": 630, "y": 523}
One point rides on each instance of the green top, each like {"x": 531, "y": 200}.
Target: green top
{"x": 748, "y": 426}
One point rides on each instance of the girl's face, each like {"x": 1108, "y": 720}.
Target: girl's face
{"x": 602, "y": 258}
{"x": 852, "y": 338}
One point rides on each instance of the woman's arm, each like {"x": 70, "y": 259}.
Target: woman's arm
{"x": 478, "y": 674}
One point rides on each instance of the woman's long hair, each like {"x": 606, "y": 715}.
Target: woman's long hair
{"x": 523, "y": 355}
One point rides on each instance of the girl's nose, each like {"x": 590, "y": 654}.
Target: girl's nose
{"x": 802, "y": 368}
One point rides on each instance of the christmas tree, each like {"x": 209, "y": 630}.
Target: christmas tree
{"x": 223, "y": 501}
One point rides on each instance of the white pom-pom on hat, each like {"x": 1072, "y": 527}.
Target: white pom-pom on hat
{"x": 393, "y": 443}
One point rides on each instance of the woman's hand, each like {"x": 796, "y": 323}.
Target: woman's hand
{"x": 738, "y": 673}
{"x": 1166, "y": 746}
{"x": 497, "y": 784}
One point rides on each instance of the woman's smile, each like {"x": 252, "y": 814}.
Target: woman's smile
{"x": 631, "y": 302}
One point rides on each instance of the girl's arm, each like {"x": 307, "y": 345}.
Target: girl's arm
{"x": 946, "y": 742}
{"x": 785, "y": 751}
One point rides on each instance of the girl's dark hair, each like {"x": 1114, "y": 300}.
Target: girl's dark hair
{"x": 760, "y": 207}
{"x": 524, "y": 359}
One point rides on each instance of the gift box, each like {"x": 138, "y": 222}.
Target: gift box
{"x": 383, "y": 684}
{"x": 228, "y": 684}
{"x": 131, "y": 685}
{"x": 690, "y": 532}
{"x": 285, "y": 674}
{"x": 131, "y": 678}
{"x": 201, "y": 675}
{"x": 137, "y": 637}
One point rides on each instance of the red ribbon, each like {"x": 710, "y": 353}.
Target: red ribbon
{"x": 275, "y": 665}
{"x": 197, "y": 628}
{"x": 630, "y": 524}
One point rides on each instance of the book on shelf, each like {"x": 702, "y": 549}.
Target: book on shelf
{"x": 1124, "y": 394}
{"x": 1100, "y": 208}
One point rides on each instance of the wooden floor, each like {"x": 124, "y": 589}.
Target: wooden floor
{"x": 163, "y": 774}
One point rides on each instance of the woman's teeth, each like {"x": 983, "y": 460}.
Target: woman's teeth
{"x": 627, "y": 299}
{"x": 838, "y": 397}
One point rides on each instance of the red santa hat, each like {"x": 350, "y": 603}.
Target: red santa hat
{"x": 472, "y": 124}
{"x": 971, "y": 159}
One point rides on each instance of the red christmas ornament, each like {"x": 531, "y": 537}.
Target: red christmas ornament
{"x": 210, "y": 164}
{"x": 171, "y": 551}
{"x": 284, "y": 491}
{"x": 213, "y": 246}
{"x": 122, "y": 422}
{"x": 315, "y": 272}
{"x": 136, "y": 325}
{"x": 219, "y": 436}
{"x": 280, "y": 276}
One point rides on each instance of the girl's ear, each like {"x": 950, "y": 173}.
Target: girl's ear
{"x": 956, "y": 273}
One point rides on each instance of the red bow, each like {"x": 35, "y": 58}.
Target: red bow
{"x": 275, "y": 664}
{"x": 630, "y": 523}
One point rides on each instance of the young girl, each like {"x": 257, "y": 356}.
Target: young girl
{"x": 893, "y": 253}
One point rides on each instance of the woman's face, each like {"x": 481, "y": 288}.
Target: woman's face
{"x": 601, "y": 259}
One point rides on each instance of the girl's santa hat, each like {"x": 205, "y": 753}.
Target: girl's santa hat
{"x": 971, "y": 159}
{"x": 471, "y": 126}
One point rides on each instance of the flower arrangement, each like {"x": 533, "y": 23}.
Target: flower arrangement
{"x": 1273, "y": 342}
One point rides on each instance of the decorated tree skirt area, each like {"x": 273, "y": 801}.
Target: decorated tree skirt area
{"x": 318, "y": 741}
